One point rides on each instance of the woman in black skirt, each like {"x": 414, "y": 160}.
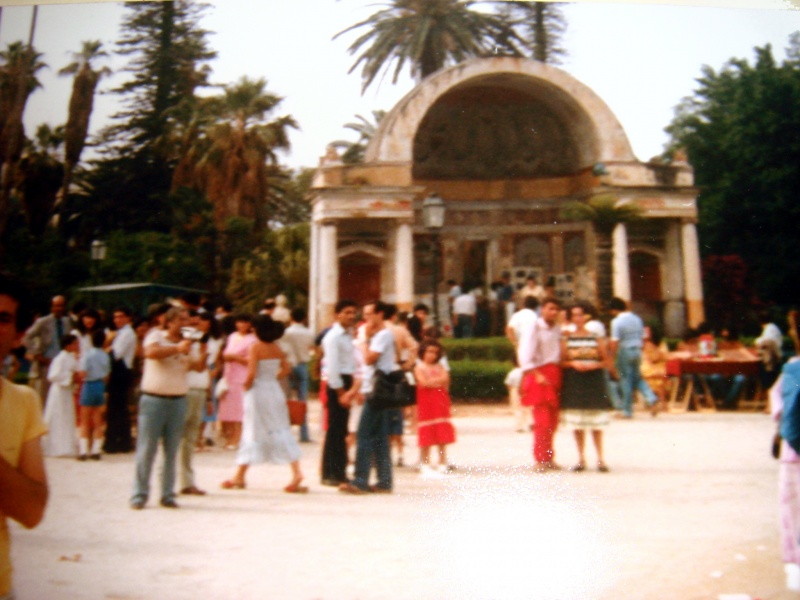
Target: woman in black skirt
{"x": 585, "y": 405}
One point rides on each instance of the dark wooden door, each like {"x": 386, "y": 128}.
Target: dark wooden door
{"x": 645, "y": 277}
{"x": 359, "y": 281}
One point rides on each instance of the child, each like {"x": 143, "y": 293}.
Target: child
{"x": 433, "y": 407}
{"x": 59, "y": 414}
{"x": 522, "y": 414}
{"x": 95, "y": 368}
{"x": 654, "y": 366}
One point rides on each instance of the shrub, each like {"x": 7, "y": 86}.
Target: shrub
{"x": 473, "y": 381}
{"x": 495, "y": 349}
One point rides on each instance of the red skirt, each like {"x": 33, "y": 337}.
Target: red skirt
{"x": 433, "y": 417}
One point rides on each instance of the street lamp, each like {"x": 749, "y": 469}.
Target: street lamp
{"x": 98, "y": 253}
{"x": 433, "y": 210}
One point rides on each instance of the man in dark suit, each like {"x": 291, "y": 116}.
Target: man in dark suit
{"x": 43, "y": 339}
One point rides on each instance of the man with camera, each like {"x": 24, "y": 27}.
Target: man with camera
{"x": 162, "y": 406}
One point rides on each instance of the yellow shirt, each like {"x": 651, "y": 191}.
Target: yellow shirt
{"x": 20, "y": 422}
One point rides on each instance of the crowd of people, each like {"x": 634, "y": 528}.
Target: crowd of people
{"x": 190, "y": 375}
{"x": 353, "y": 358}
{"x": 568, "y": 369}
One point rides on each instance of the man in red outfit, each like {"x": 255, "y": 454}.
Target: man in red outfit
{"x": 539, "y": 357}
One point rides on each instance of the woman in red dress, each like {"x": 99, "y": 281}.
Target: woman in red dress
{"x": 433, "y": 406}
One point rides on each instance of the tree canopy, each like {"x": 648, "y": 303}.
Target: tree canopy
{"x": 183, "y": 187}
{"x": 541, "y": 25}
{"x": 739, "y": 129}
{"x": 428, "y": 35}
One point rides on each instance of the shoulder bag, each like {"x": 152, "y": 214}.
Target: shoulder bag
{"x": 391, "y": 390}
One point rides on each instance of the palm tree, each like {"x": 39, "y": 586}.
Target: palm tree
{"x": 542, "y": 26}
{"x": 366, "y": 130}
{"x": 18, "y": 67}
{"x": 232, "y": 159}
{"x": 429, "y": 34}
{"x": 604, "y": 212}
{"x": 39, "y": 177}
{"x": 81, "y": 103}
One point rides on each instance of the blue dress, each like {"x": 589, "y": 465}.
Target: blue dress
{"x": 266, "y": 432}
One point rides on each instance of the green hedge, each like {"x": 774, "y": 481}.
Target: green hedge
{"x": 496, "y": 349}
{"x": 473, "y": 381}
{"x": 478, "y": 368}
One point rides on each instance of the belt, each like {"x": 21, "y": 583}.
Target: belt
{"x": 164, "y": 396}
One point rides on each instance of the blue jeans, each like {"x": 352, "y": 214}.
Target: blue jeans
{"x": 298, "y": 381}
{"x": 612, "y": 389}
{"x": 728, "y": 387}
{"x": 629, "y": 366}
{"x": 463, "y": 326}
{"x": 159, "y": 419}
{"x": 373, "y": 447}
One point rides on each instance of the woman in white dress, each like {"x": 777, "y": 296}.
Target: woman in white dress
{"x": 59, "y": 413}
{"x": 266, "y": 432}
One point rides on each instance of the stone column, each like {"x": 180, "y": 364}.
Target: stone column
{"x": 691, "y": 273}
{"x": 328, "y": 269}
{"x": 557, "y": 253}
{"x": 621, "y": 271}
{"x": 313, "y": 276}
{"x": 492, "y": 261}
{"x": 404, "y": 267}
{"x": 672, "y": 283}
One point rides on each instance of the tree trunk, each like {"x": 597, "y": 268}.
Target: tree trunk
{"x": 541, "y": 47}
{"x": 81, "y": 104}
{"x": 32, "y": 31}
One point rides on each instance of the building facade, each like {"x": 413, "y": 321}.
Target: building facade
{"x": 506, "y": 142}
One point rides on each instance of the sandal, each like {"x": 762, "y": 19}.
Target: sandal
{"x": 295, "y": 488}
{"x": 578, "y": 468}
{"x": 602, "y": 467}
{"x": 230, "y": 484}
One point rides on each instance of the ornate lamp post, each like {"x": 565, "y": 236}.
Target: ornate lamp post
{"x": 98, "y": 253}
{"x": 433, "y": 210}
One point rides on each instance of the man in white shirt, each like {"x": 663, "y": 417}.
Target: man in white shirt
{"x": 340, "y": 368}
{"x": 769, "y": 346}
{"x": 532, "y": 288}
{"x": 522, "y": 318}
{"x": 769, "y": 331}
{"x": 281, "y": 312}
{"x": 539, "y": 357}
{"x": 196, "y": 397}
{"x": 453, "y": 292}
{"x": 464, "y": 309}
{"x": 298, "y": 341}
{"x": 373, "y": 437}
{"x": 123, "y": 352}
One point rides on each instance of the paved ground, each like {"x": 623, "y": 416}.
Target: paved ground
{"x": 688, "y": 511}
